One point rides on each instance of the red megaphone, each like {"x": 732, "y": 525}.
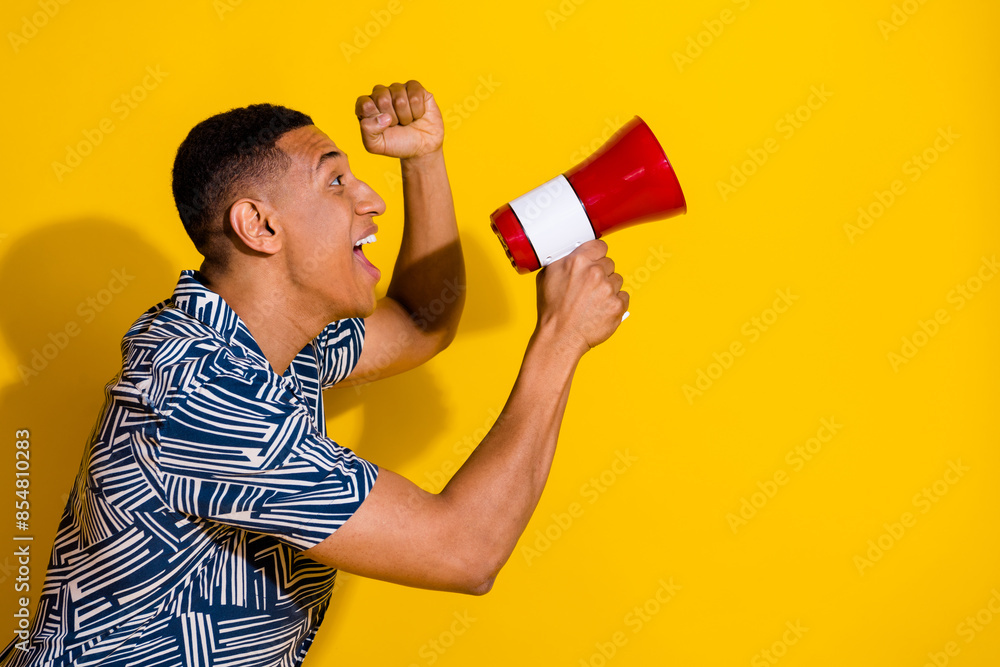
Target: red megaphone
{"x": 627, "y": 181}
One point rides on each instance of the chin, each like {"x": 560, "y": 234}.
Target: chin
{"x": 362, "y": 309}
{"x": 356, "y": 311}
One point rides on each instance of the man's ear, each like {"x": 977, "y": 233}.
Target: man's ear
{"x": 250, "y": 221}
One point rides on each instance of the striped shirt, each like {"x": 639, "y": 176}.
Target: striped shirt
{"x": 205, "y": 477}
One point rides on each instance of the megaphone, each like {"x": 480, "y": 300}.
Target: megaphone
{"x": 627, "y": 181}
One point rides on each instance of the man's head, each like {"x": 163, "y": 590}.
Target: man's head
{"x": 263, "y": 184}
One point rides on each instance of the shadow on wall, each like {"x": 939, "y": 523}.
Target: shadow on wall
{"x": 72, "y": 289}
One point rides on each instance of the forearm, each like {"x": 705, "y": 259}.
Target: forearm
{"x": 459, "y": 538}
{"x": 429, "y": 275}
{"x": 497, "y": 489}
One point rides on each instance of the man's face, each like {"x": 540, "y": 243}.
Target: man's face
{"x": 325, "y": 212}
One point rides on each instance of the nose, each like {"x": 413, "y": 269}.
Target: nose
{"x": 367, "y": 200}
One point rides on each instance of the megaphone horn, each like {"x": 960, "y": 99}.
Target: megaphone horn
{"x": 627, "y": 181}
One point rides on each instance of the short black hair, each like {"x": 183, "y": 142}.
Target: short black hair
{"x": 223, "y": 155}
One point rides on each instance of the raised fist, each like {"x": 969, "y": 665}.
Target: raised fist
{"x": 401, "y": 121}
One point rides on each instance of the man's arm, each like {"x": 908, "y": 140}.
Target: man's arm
{"x": 419, "y": 315}
{"x": 459, "y": 539}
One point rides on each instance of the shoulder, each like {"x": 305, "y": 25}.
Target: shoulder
{"x": 168, "y": 355}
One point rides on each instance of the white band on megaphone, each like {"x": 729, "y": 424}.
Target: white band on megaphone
{"x": 553, "y": 219}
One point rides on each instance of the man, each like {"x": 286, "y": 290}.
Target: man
{"x": 211, "y": 511}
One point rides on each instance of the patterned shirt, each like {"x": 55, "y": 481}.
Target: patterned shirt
{"x": 205, "y": 477}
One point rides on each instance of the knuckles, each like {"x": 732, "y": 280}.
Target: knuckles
{"x": 595, "y": 273}
{"x": 602, "y": 245}
{"x": 387, "y": 99}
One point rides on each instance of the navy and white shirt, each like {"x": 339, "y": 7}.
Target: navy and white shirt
{"x": 205, "y": 477}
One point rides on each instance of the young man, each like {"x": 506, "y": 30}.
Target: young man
{"x": 211, "y": 511}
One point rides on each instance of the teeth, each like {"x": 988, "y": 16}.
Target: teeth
{"x": 367, "y": 239}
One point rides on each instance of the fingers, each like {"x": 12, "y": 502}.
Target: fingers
{"x": 617, "y": 281}
{"x": 404, "y": 102}
{"x": 624, "y": 299}
{"x": 365, "y": 107}
{"x": 382, "y": 97}
{"x": 593, "y": 249}
{"x": 594, "y": 254}
{"x": 607, "y": 264}
{"x": 416, "y": 94}
{"x": 603, "y": 270}
{"x": 371, "y": 130}
{"x": 400, "y": 103}
{"x": 614, "y": 279}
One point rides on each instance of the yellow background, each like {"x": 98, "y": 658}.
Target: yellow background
{"x": 562, "y": 75}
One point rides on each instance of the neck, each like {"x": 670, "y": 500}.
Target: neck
{"x": 277, "y": 315}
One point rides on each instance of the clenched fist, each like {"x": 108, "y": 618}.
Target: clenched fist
{"x": 580, "y": 297}
{"x": 401, "y": 121}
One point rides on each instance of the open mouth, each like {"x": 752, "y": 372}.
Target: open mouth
{"x": 360, "y": 256}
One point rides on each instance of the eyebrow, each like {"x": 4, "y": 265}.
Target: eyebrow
{"x": 331, "y": 155}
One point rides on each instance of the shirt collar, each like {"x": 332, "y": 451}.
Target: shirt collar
{"x": 209, "y": 308}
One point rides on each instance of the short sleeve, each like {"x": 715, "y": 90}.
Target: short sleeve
{"x": 242, "y": 450}
{"x": 339, "y": 347}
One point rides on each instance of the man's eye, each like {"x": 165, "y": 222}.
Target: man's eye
{"x": 336, "y": 181}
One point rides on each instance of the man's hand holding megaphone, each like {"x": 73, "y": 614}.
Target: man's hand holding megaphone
{"x": 580, "y": 301}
